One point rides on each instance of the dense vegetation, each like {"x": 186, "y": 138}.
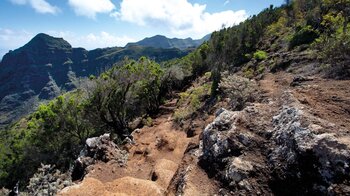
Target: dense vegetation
{"x": 55, "y": 133}
{"x": 49, "y": 66}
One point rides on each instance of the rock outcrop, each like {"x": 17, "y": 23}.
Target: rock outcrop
{"x": 48, "y": 181}
{"x": 231, "y": 154}
{"x": 98, "y": 149}
{"x": 290, "y": 159}
{"x": 307, "y": 162}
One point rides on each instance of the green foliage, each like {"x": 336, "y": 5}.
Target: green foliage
{"x": 260, "y": 55}
{"x": 248, "y": 72}
{"x": 230, "y": 45}
{"x": 277, "y": 28}
{"x": 147, "y": 121}
{"x": 191, "y": 101}
{"x": 130, "y": 91}
{"x": 54, "y": 134}
{"x": 333, "y": 44}
{"x": 92, "y": 77}
{"x": 261, "y": 69}
{"x": 303, "y": 35}
{"x": 335, "y": 52}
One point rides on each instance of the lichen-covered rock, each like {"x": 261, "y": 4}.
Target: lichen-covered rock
{"x": 225, "y": 147}
{"x": 98, "y": 149}
{"x": 311, "y": 162}
{"x": 219, "y": 139}
{"x": 238, "y": 170}
{"x": 48, "y": 181}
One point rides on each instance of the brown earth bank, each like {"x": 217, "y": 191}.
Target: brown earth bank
{"x": 293, "y": 141}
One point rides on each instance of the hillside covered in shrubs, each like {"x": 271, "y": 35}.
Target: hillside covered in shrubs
{"x": 308, "y": 37}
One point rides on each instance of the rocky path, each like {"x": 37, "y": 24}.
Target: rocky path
{"x": 154, "y": 159}
{"x": 294, "y": 141}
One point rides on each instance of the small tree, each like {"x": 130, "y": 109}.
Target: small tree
{"x": 124, "y": 93}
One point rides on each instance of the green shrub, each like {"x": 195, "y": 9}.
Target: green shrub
{"x": 304, "y": 35}
{"x": 276, "y": 28}
{"x": 92, "y": 77}
{"x": 181, "y": 114}
{"x": 260, "y": 55}
{"x": 261, "y": 68}
{"x": 147, "y": 121}
{"x": 190, "y": 101}
{"x": 132, "y": 90}
{"x": 248, "y": 72}
{"x": 334, "y": 52}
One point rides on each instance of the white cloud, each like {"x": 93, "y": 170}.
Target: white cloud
{"x": 11, "y": 39}
{"x": 180, "y": 16}
{"x": 90, "y": 8}
{"x": 40, "y": 6}
{"x": 92, "y": 40}
{"x": 226, "y": 2}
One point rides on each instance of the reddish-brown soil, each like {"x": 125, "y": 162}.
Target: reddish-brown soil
{"x": 164, "y": 160}
{"x": 159, "y": 154}
{"x": 326, "y": 99}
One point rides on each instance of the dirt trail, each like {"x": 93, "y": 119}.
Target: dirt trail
{"x": 326, "y": 99}
{"x": 164, "y": 160}
{"x": 153, "y": 161}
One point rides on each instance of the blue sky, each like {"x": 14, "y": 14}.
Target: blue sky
{"x": 104, "y": 23}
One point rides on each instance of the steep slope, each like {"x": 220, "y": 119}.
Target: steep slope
{"x": 288, "y": 134}
{"x": 38, "y": 70}
{"x": 281, "y": 127}
{"x": 284, "y": 144}
{"x": 160, "y": 41}
{"x": 47, "y": 66}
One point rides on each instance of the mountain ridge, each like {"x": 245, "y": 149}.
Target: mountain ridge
{"x": 46, "y": 66}
{"x": 165, "y": 42}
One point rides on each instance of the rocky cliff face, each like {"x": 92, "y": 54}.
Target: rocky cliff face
{"x": 47, "y": 66}
{"x": 38, "y": 70}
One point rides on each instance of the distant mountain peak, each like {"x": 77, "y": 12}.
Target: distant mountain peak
{"x": 42, "y": 40}
{"x": 47, "y": 66}
{"x": 161, "y": 41}
{"x": 41, "y": 49}
{"x": 43, "y": 36}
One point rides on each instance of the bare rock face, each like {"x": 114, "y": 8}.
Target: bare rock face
{"x": 303, "y": 160}
{"x": 228, "y": 151}
{"x": 218, "y": 137}
{"x": 290, "y": 159}
{"x": 98, "y": 149}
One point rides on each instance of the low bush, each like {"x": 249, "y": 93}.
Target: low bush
{"x": 260, "y": 55}
{"x": 190, "y": 101}
{"x": 239, "y": 90}
{"x": 303, "y": 35}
